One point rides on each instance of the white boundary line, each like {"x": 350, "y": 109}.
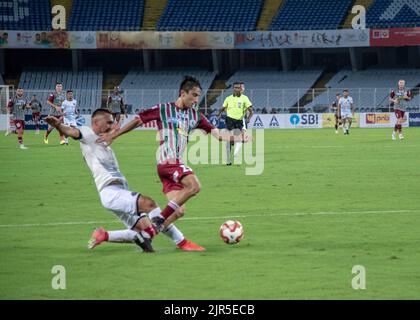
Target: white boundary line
{"x": 55, "y": 224}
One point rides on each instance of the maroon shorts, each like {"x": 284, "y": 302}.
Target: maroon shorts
{"x": 399, "y": 113}
{"x": 171, "y": 175}
{"x": 35, "y": 116}
{"x": 18, "y": 124}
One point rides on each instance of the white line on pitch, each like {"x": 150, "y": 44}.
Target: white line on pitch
{"x": 54, "y": 224}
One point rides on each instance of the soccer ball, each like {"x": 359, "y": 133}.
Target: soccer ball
{"x": 231, "y": 232}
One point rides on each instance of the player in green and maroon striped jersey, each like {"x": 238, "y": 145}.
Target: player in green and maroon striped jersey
{"x": 175, "y": 121}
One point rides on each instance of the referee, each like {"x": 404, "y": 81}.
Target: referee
{"x": 236, "y": 106}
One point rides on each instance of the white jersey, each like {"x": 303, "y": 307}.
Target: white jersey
{"x": 345, "y": 104}
{"x": 69, "y": 111}
{"x": 100, "y": 159}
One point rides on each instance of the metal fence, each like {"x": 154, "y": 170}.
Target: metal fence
{"x": 263, "y": 100}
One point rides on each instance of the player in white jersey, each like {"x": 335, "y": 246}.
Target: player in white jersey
{"x": 69, "y": 109}
{"x": 345, "y": 110}
{"x": 130, "y": 207}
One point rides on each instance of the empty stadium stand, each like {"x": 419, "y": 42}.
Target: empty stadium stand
{"x": 86, "y": 85}
{"x": 106, "y": 15}
{"x": 369, "y": 88}
{"x": 144, "y": 90}
{"x": 215, "y": 15}
{"x": 311, "y": 15}
{"x": 393, "y": 14}
{"x": 25, "y": 15}
{"x": 285, "y": 89}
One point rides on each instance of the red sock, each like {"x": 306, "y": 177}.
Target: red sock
{"x": 170, "y": 208}
{"x": 20, "y": 140}
{"x": 150, "y": 231}
{"x": 106, "y": 236}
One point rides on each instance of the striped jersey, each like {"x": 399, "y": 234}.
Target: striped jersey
{"x": 399, "y": 95}
{"x": 174, "y": 125}
{"x": 115, "y": 102}
{"x": 17, "y": 107}
{"x": 36, "y": 106}
{"x": 57, "y": 99}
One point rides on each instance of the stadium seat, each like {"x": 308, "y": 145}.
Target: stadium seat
{"x": 28, "y": 15}
{"x": 106, "y": 15}
{"x": 86, "y": 85}
{"x": 216, "y": 15}
{"x": 311, "y": 15}
{"x": 393, "y": 13}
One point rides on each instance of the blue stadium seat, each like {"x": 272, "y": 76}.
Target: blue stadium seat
{"x": 30, "y": 15}
{"x": 106, "y": 15}
{"x": 394, "y": 14}
{"x": 311, "y": 15}
{"x": 215, "y": 15}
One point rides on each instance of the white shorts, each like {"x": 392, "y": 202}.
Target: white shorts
{"x": 71, "y": 123}
{"x": 122, "y": 202}
{"x": 345, "y": 115}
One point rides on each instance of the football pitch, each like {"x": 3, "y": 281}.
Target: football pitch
{"x": 323, "y": 204}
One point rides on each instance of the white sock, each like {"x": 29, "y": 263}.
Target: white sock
{"x": 238, "y": 146}
{"x": 174, "y": 233}
{"x": 228, "y": 152}
{"x": 66, "y": 140}
{"x": 122, "y": 236}
{"x": 155, "y": 213}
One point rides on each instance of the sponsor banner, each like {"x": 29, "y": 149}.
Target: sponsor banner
{"x": 48, "y": 39}
{"x": 328, "y": 120}
{"x": 395, "y": 37}
{"x": 414, "y": 119}
{"x": 218, "y": 123}
{"x": 286, "y": 121}
{"x": 30, "y": 124}
{"x": 380, "y": 120}
{"x": 165, "y": 40}
{"x": 302, "y": 39}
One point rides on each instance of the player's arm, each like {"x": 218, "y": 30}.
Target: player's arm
{"x": 408, "y": 96}
{"x": 66, "y": 130}
{"x": 339, "y": 107}
{"x": 391, "y": 97}
{"x": 108, "y": 101}
{"x": 250, "y": 112}
{"x": 114, "y": 134}
{"x": 221, "y": 111}
{"x": 122, "y": 106}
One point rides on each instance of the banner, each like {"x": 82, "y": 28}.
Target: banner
{"x": 395, "y": 37}
{"x": 414, "y": 119}
{"x": 302, "y": 39}
{"x": 380, "y": 120}
{"x": 48, "y": 39}
{"x": 286, "y": 121}
{"x": 328, "y": 120}
{"x": 164, "y": 40}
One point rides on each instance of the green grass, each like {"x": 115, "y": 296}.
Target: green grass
{"x": 366, "y": 184}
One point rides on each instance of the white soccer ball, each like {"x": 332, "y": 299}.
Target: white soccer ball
{"x": 231, "y": 232}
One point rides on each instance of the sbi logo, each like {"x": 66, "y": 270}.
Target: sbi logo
{"x": 304, "y": 119}
{"x": 294, "y": 119}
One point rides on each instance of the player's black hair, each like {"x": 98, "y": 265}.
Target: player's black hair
{"x": 346, "y": 90}
{"x": 58, "y": 83}
{"x": 337, "y": 94}
{"x": 69, "y": 91}
{"x": 100, "y": 111}
{"x": 237, "y": 83}
{"x": 189, "y": 83}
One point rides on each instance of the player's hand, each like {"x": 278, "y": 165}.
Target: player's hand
{"x": 52, "y": 121}
{"x": 105, "y": 137}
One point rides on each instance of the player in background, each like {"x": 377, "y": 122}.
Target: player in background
{"x": 175, "y": 121}
{"x": 237, "y": 106}
{"x": 54, "y": 101}
{"x": 70, "y": 113}
{"x": 36, "y": 112}
{"x": 345, "y": 109}
{"x": 399, "y": 98}
{"x": 334, "y": 109}
{"x": 115, "y": 105}
{"x": 16, "y": 108}
{"x": 130, "y": 207}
